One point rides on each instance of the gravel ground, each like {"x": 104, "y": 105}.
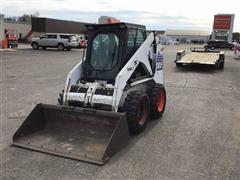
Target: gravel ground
{"x": 197, "y": 138}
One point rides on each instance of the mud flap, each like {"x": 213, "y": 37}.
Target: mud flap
{"x": 71, "y": 132}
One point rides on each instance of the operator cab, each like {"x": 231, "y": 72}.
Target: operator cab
{"x": 110, "y": 46}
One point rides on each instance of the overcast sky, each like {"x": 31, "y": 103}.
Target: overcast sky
{"x": 155, "y": 14}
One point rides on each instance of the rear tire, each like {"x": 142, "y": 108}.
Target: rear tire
{"x": 158, "y": 99}
{"x": 61, "y": 47}
{"x": 35, "y": 45}
{"x": 69, "y": 49}
{"x": 137, "y": 108}
{"x": 179, "y": 64}
{"x": 212, "y": 47}
{"x": 220, "y": 65}
{"x": 44, "y": 47}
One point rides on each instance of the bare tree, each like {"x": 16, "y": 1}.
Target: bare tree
{"x": 27, "y": 17}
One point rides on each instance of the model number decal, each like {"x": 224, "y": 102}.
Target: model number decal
{"x": 133, "y": 67}
{"x": 159, "y": 61}
{"x": 130, "y": 68}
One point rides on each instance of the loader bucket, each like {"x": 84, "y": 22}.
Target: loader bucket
{"x": 71, "y": 132}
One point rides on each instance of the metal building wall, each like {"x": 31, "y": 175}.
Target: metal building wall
{"x": 22, "y": 28}
{"x": 48, "y": 25}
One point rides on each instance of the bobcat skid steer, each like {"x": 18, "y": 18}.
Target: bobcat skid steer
{"x": 108, "y": 96}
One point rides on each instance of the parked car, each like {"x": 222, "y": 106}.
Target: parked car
{"x": 213, "y": 44}
{"x": 55, "y": 40}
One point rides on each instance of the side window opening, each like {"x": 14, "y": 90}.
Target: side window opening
{"x": 52, "y": 36}
{"x": 44, "y": 36}
{"x": 139, "y": 73}
{"x": 131, "y": 38}
{"x": 64, "y": 36}
{"x": 135, "y": 40}
{"x": 140, "y": 38}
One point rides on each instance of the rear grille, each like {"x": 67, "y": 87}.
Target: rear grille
{"x": 105, "y": 91}
{"x": 77, "y": 89}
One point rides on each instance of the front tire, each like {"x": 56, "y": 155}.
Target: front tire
{"x": 157, "y": 101}
{"x": 35, "y": 45}
{"x": 137, "y": 108}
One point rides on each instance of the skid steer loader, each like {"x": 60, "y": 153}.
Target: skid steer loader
{"x": 108, "y": 96}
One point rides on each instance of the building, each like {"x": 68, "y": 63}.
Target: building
{"x": 157, "y": 32}
{"x": 187, "y": 36}
{"x": 38, "y": 26}
{"x": 48, "y": 25}
{"x": 107, "y": 20}
{"x": 20, "y": 28}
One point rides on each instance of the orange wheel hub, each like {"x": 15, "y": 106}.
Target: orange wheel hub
{"x": 143, "y": 112}
{"x": 161, "y": 101}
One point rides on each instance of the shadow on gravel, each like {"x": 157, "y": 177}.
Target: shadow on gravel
{"x": 134, "y": 139}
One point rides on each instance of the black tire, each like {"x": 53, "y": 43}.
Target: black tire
{"x": 212, "y": 47}
{"x": 220, "y": 65}
{"x": 136, "y": 107}
{"x": 179, "y": 64}
{"x": 60, "y": 47}
{"x": 158, "y": 100}
{"x": 44, "y": 47}
{"x": 35, "y": 45}
{"x": 69, "y": 49}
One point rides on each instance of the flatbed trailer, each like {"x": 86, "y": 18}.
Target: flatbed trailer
{"x": 200, "y": 56}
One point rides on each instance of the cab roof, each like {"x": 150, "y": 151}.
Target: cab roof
{"x": 121, "y": 25}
